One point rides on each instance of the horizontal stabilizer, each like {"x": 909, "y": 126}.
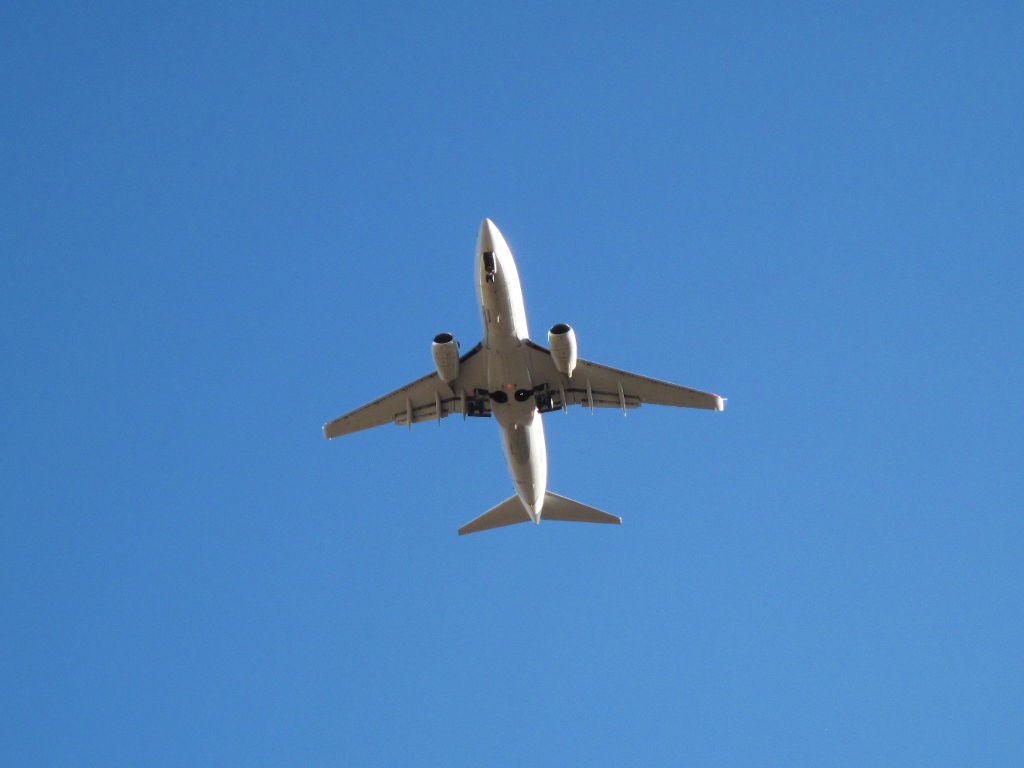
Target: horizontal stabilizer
{"x": 512, "y": 511}
{"x": 560, "y": 508}
{"x": 509, "y": 512}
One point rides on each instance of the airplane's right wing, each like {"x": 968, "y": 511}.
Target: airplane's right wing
{"x": 424, "y": 399}
{"x": 599, "y": 386}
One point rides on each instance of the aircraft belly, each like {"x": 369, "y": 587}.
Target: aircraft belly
{"x": 507, "y": 369}
{"x": 504, "y": 314}
{"x": 526, "y": 456}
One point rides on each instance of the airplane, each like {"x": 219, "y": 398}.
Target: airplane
{"x": 515, "y": 380}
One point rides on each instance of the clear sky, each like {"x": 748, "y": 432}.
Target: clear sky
{"x": 224, "y": 224}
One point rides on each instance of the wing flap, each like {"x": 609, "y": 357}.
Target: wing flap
{"x": 576, "y": 396}
{"x": 429, "y": 412}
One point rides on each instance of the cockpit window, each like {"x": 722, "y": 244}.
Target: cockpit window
{"x": 489, "y": 265}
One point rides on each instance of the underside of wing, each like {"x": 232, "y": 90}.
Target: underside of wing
{"x": 598, "y": 386}
{"x": 425, "y": 399}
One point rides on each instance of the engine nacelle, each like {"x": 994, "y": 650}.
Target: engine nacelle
{"x": 445, "y": 351}
{"x": 562, "y": 342}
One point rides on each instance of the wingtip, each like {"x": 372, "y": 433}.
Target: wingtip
{"x": 720, "y": 402}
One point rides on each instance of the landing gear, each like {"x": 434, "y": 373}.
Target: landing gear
{"x": 546, "y": 402}
{"x": 542, "y": 396}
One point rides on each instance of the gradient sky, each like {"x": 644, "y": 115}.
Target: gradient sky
{"x": 223, "y": 225}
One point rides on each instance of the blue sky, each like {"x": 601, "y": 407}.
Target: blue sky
{"x": 222, "y": 227}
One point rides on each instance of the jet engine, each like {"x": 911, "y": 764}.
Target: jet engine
{"x": 445, "y": 351}
{"x": 562, "y": 342}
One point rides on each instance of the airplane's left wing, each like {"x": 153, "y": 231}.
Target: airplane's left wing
{"x": 424, "y": 399}
{"x": 600, "y": 386}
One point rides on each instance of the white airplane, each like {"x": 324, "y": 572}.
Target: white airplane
{"x": 515, "y": 380}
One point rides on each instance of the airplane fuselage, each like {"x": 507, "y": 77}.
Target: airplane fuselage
{"x": 508, "y": 372}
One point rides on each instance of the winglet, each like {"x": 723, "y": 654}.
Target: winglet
{"x": 720, "y": 402}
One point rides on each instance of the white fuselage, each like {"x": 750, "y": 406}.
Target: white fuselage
{"x": 504, "y": 320}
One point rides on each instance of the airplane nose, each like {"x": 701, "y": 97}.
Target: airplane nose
{"x": 487, "y": 238}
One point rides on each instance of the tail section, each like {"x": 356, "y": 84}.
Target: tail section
{"x": 555, "y": 507}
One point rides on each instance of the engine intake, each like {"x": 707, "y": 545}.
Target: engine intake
{"x": 445, "y": 351}
{"x": 562, "y": 342}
